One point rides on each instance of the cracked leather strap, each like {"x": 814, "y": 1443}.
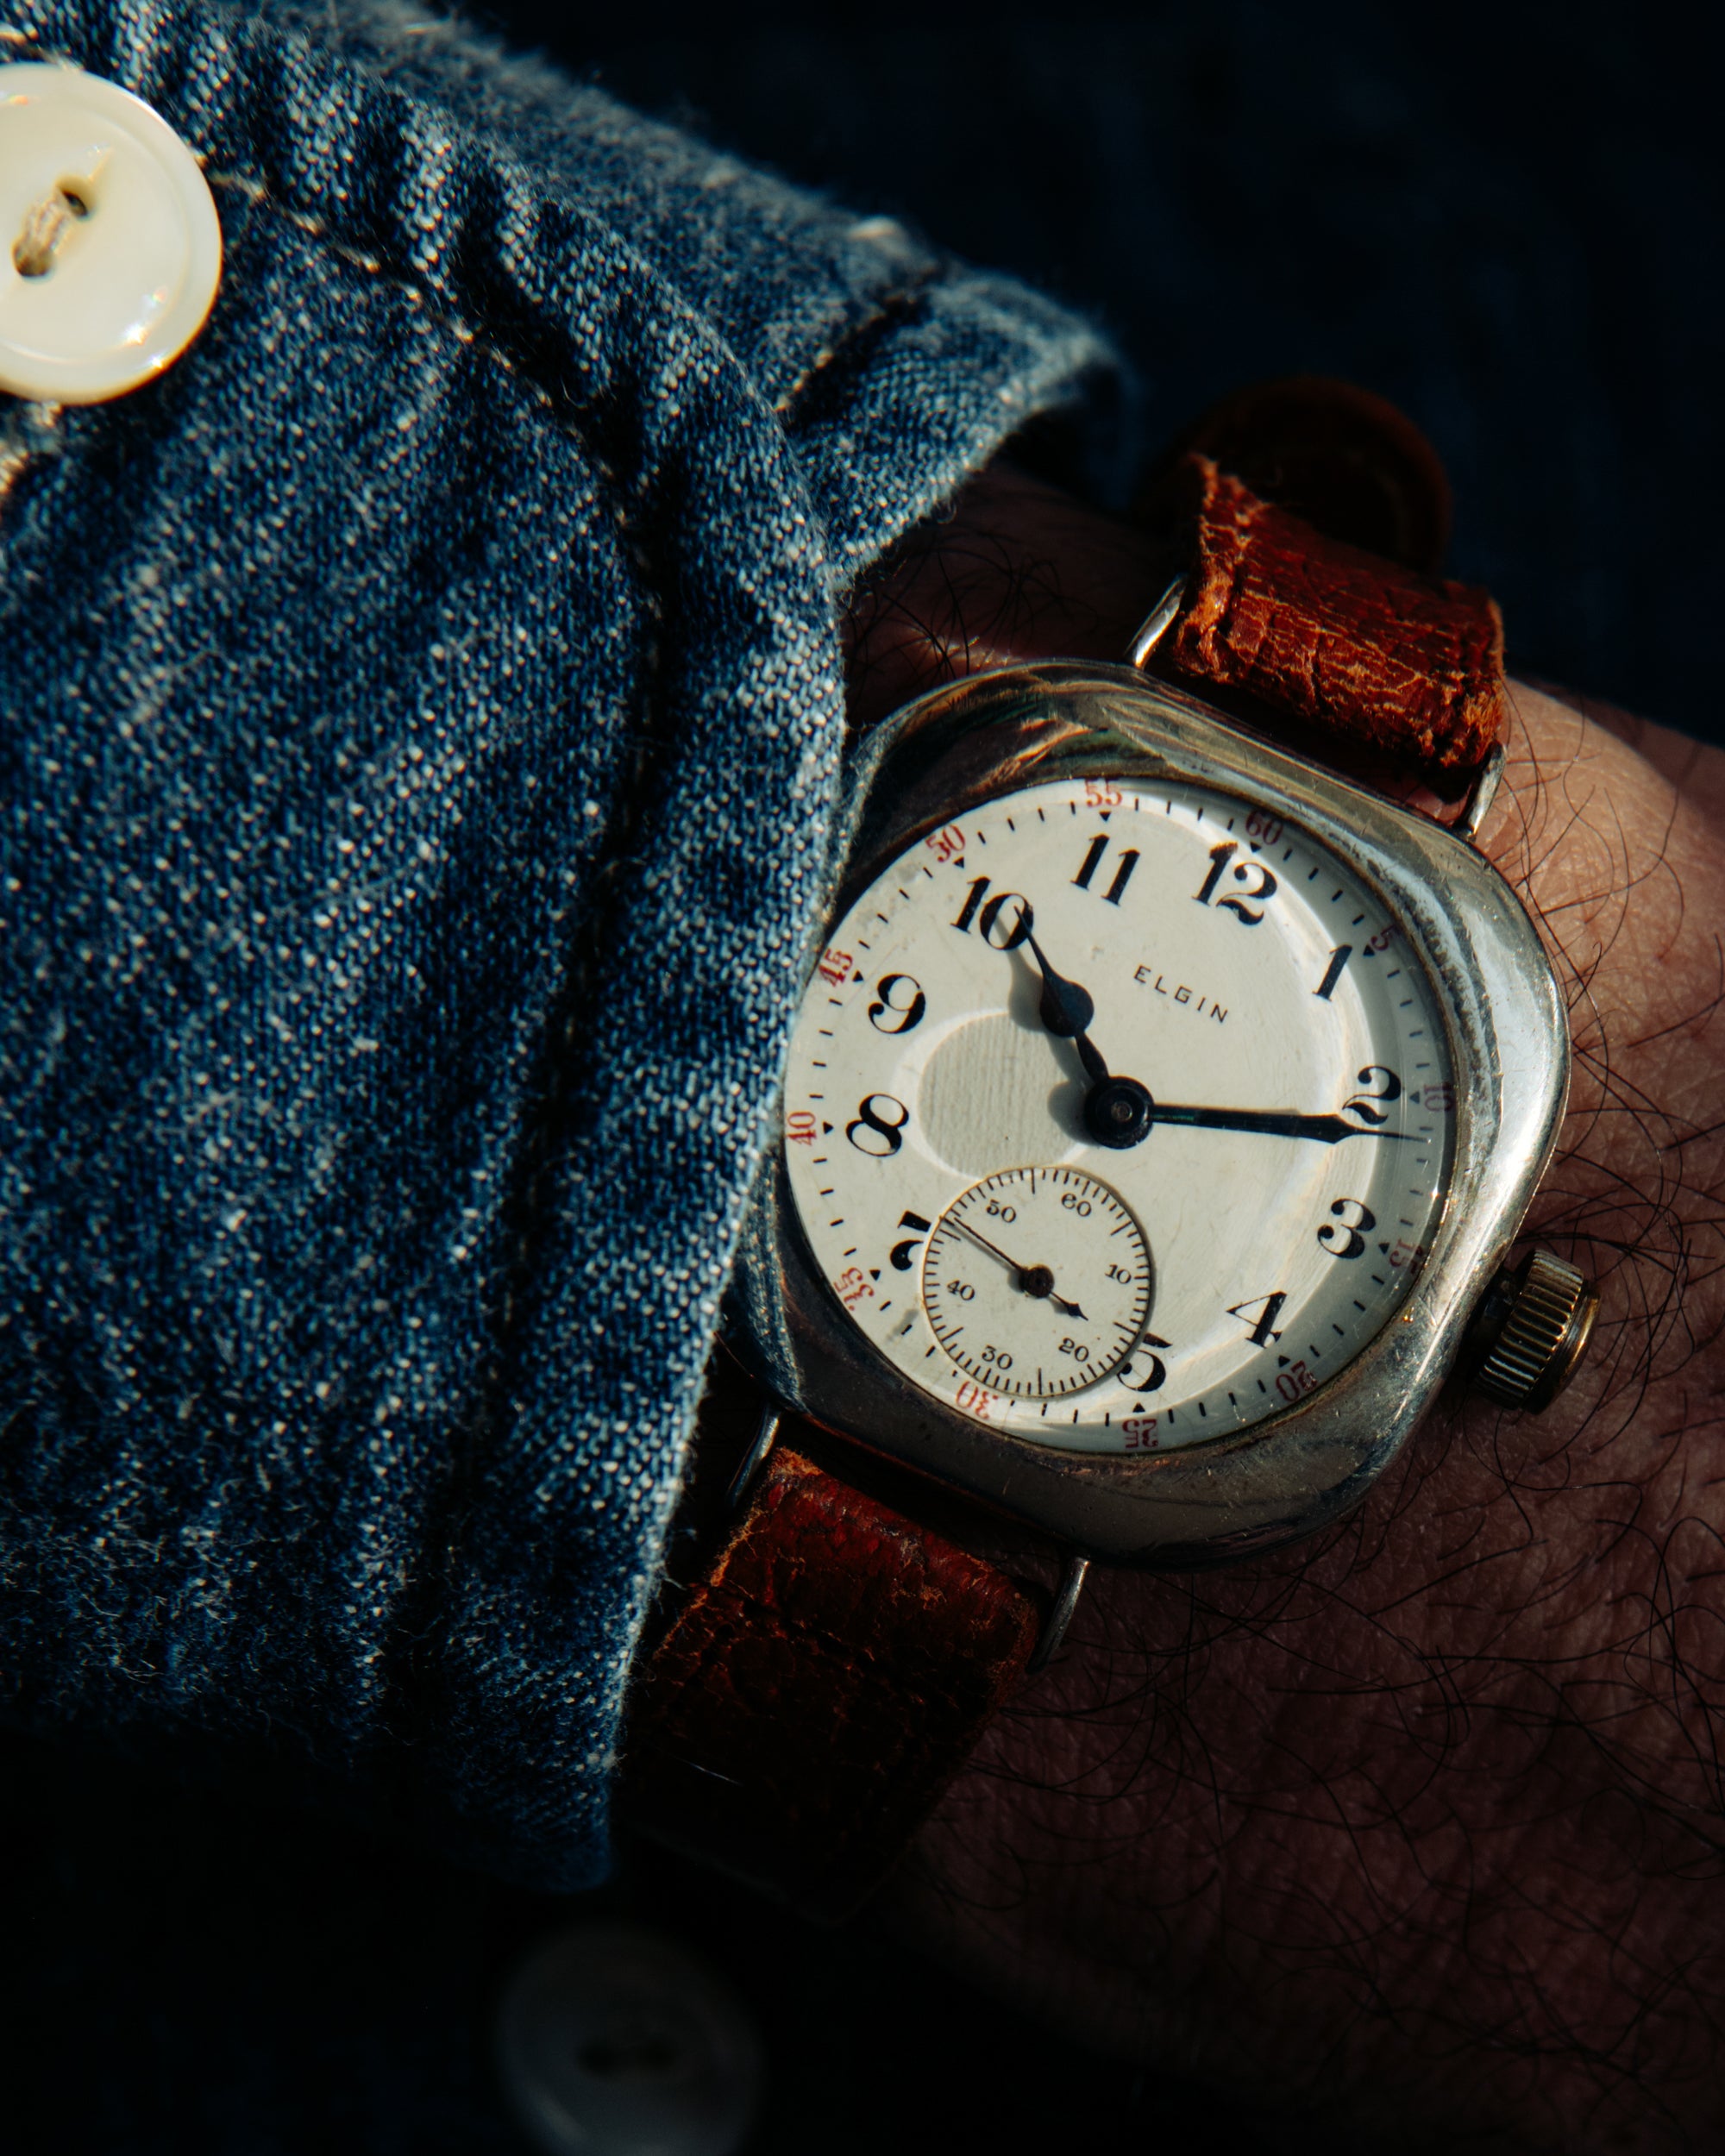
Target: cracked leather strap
{"x": 818, "y": 1690}
{"x": 1407, "y": 666}
{"x": 829, "y": 1673}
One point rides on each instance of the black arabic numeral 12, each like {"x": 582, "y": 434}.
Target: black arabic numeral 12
{"x": 872, "y": 1116}
{"x": 1239, "y": 903}
{"x": 1380, "y": 1083}
{"x": 894, "y": 1003}
{"x": 1349, "y": 1240}
{"x": 988, "y": 920}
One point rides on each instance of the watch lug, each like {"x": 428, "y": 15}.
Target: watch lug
{"x": 1157, "y": 623}
{"x": 1066, "y": 1601}
{"x": 1480, "y": 796}
{"x": 766, "y": 1435}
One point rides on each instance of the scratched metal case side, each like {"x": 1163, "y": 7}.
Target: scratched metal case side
{"x": 1291, "y": 1473}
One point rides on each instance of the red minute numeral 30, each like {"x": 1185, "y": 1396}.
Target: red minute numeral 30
{"x": 975, "y": 1401}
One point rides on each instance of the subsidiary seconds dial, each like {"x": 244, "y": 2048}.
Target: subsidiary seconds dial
{"x": 1160, "y": 1002}
{"x": 1036, "y": 1282}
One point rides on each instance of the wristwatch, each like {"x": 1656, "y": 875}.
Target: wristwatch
{"x": 1158, "y": 1122}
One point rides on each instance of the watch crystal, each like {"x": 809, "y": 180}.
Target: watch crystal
{"x": 1118, "y": 1115}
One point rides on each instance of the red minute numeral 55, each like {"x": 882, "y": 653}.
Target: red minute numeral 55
{"x": 1102, "y": 793}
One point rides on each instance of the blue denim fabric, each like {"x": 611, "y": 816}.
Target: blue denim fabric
{"x": 421, "y": 722}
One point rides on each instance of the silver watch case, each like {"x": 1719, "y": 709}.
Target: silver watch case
{"x": 1292, "y": 1474}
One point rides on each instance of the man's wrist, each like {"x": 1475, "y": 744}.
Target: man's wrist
{"x": 1438, "y": 1786}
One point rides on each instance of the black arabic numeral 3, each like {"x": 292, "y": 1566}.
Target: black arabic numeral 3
{"x": 872, "y": 1116}
{"x": 1349, "y": 1240}
{"x": 1380, "y": 1083}
{"x": 895, "y": 1003}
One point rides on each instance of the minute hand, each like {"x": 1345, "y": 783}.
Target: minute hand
{"x": 1329, "y": 1130}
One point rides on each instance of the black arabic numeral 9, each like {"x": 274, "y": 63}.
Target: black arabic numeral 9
{"x": 895, "y": 1003}
{"x": 1349, "y": 1240}
{"x": 1239, "y": 903}
{"x": 1380, "y": 1083}
{"x": 872, "y": 1115}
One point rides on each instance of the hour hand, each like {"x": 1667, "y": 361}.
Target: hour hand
{"x": 1067, "y": 1011}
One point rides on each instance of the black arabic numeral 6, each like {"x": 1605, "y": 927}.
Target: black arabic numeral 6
{"x": 883, "y": 1116}
{"x": 988, "y": 920}
{"x": 1349, "y": 1240}
{"x": 1239, "y": 903}
{"x": 1380, "y": 1083}
{"x": 900, "y": 999}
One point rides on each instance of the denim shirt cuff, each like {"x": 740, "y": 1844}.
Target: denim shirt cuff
{"x": 424, "y": 727}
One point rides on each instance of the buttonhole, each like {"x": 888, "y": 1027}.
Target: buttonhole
{"x": 47, "y": 224}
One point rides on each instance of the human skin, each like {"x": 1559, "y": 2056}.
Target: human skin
{"x": 1414, "y": 1831}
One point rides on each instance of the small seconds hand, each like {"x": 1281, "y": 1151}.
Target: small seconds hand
{"x": 1034, "y": 1280}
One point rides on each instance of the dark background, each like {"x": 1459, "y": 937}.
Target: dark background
{"x": 1507, "y": 221}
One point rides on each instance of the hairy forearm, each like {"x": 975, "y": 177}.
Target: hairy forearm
{"x": 1421, "y": 1823}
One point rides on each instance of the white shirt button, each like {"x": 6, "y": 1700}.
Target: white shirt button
{"x": 612, "y": 2040}
{"x": 110, "y": 249}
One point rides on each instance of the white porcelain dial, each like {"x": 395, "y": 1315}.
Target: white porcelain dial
{"x": 1118, "y": 1117}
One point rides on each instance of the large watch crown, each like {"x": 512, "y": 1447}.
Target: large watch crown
{"x": 1532, "y": 1331}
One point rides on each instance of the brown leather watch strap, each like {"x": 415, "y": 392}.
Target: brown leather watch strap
{"x": 819, "y": 1689}
{"x": 1406, "y": 665}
